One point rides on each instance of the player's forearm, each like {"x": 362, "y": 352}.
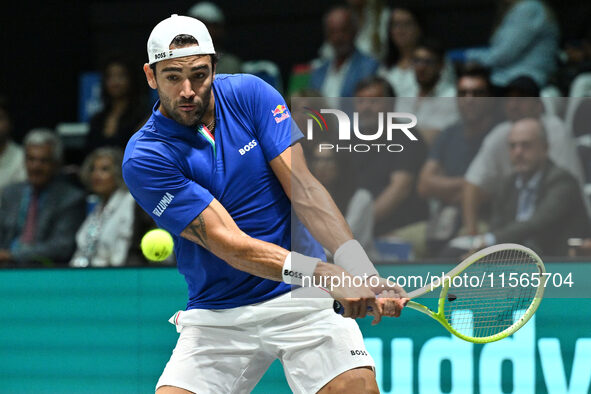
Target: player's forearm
{"x": 229, "y": 243}
{"x": 268, "y": 261}
{"x": 242, "y": 252}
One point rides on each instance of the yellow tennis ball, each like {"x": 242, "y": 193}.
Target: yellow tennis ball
{"x": 157, "y": 244}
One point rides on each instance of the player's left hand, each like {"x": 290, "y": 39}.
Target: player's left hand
{"x": 391, "y": 297}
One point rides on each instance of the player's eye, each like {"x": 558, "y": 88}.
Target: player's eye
{"x": 172, "y": 77}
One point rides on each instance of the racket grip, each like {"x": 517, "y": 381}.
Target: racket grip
{"x": 340, "y": 309}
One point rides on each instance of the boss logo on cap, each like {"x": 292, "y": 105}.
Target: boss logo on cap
{"x": 160, "y": 55}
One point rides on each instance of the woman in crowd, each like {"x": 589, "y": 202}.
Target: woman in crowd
{"x": 124, "y": 107}
{"x": 104, "y": 237}
{"x": 404, "y": 34}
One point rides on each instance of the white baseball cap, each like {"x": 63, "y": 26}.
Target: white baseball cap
{"x": 165, "y": 31}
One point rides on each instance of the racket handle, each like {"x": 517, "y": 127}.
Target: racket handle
{"x": 340, "y": 309}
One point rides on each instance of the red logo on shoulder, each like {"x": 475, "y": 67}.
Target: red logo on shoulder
{"x": 280, "y": 110}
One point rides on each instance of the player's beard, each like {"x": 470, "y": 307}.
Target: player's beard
{"x": 186, "y": 119}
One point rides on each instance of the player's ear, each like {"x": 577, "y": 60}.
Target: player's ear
{"x": 150, "y": 76}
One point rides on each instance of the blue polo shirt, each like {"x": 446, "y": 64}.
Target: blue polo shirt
{"x": 174, "y": 173}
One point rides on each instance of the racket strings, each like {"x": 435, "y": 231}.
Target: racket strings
{"x": 494, "y": 302}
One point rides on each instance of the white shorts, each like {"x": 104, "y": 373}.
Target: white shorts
{"x": 229, "y": 350}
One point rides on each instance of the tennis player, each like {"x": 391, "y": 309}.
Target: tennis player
{"x": 218, "y": 166}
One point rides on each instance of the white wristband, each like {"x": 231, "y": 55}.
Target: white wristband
{"x": 354, "y": 260}
{"x": 299, "y": 269}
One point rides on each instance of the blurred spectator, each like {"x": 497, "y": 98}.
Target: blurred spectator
{"x": 39, "y": 217}
{"x": 337, "y": 77}
{"x": 372, "y": 17}
{"x": 578, "y": 115}
{"x": 492, "y": 163}
{"x": 214, "y": 19}
{"x": 539, "y": 205}
{"x": 373, "y": 21}
{"x": 525, "y": 42}
{"x": 103, "y": 238}
{"x": 428, "y": 62}
{"x": 12, "y": 158}
{"x": 124, "y": 107}
{"x": 433, "y": 111}
{"x": 575, "y": 60}
{"x": 442, "y": 177}
{"x": 578, "y": 120}
{"x": 404, "y": 33}
{"x": 389, "y": 176}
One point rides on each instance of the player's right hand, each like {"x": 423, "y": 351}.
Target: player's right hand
{"x": 357, "y": 302}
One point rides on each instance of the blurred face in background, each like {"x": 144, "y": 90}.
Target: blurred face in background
{"x": 528, "y": 148}
{"x": 117, "y": 83}
{"x": 340, "y": 32}
{"x": 102, "y": 177}
{"x": 41, "y": 165}
{"x": 427, "y": 67}
{"x": 404, "y": 29}
{"x": 470, "y": 90}
{"x": 369, "y": 102}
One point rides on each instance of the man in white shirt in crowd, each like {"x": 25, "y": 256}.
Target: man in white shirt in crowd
{"x": 433, "y": 102}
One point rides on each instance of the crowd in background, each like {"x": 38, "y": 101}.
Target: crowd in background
{"x": 483, "y": 170}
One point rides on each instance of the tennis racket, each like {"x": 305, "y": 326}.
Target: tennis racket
{"x": 502, "y": 303}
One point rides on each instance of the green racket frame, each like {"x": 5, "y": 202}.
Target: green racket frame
{"x": 440, "y": 314}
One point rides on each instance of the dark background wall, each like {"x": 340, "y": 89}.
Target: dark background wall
{"x": 47, "y": 44}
